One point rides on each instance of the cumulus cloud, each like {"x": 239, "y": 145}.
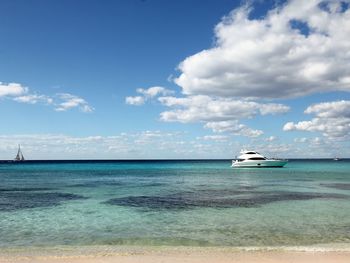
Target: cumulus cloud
{"x": 151, "y": 137}
{"x": 271, "y": 139}
{"x": 233, "y": 127}
{"x": 300, "y": 140}
{"x": 158, "y": 144}
{"x": 154, "y": 91}
{"x": 219, "y": 114}
{"x": 146, "y": 95}
{"x": 217, "y": 138}
{"x": 137, "y": 100}
{"x": 297, "y": 49}
{"x": 12, "y": 89}
{"x": 33, "y": 99}
{"x": 316, "y": 141}
{"x": 332, "y": 119}
{"x": 205, "y": 108}
{"x": 332, "y": 109}
{"x": 70, "y": 101}
{"x": 142, "y": 144}
{"x": 61, "y": 101}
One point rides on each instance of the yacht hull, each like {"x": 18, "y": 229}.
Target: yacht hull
{"x": 259, "y": 164}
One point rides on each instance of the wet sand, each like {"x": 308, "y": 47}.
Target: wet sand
{"x": 171, "y": 255}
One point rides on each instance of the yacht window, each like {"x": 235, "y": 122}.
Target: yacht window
{"x": 250, "y": 153}
{"x": 257, "y": 158}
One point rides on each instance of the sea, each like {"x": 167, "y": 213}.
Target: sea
{"x": 195, "y": 203}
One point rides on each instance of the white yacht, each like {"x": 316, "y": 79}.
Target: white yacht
{"x": 255, "y": 159}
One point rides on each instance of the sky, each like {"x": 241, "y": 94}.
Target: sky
{"x": 163, "y": 79}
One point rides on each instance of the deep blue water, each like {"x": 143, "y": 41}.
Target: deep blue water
{"x": 194, "y": 203}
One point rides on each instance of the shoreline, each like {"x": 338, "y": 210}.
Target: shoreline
{"x": 338, "y": 253}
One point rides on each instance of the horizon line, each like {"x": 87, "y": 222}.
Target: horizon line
{"x": 151, "y": 159}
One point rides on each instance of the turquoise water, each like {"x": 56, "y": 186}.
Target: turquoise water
{"x": 191, "y": 203}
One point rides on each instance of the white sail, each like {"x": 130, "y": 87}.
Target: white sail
{"x": 19, "y": 156}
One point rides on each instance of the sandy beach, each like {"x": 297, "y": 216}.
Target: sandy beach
{"x": 170, "y": 255}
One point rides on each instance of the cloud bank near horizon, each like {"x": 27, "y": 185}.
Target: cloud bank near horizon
{"x": 151, "y": 144}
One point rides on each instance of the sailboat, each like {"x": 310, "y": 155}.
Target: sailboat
{"x": 19, "y": 157}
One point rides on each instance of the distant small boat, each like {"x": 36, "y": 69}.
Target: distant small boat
{"x": 254, "y": 159}
{"x": 19, "y": 157}
{"x": 336, "y": 159}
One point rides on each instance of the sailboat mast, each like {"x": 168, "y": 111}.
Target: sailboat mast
{"x": 19, "y": 156}
{"x": 22, "y": 157}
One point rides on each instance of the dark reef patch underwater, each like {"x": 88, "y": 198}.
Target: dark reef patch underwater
{"x": 338, "y": 186}
{"x": 23, "y": 198}
{"x": 217, "y": 199}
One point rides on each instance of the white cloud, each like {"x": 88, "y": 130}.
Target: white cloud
{"x": 154, "y": 137}
{"x": 147, "y": 94}
{"x": 217, "y": 138}
{"x": 219, "y": 114}
{"x": 332, "y": 120}
{"x": 33, "y": 99}
{"x": 137, "y": 145}
{"x": 316, "y": 141}
{"x": 271, "y": 139}
{"x": 52, "y": 146}
{"x": 272, "y": 58}
{"x": 205, "y": 108}
{"x": 137, "y": 100}
{"x": 159, "y": 144}
{"x": 300, "y": 140}
{"x": 296, "y": 49}
{"x": 272, "y": 108}
{"x": 154, "y": 91}
{"x": 70, "y": 101}
{"x": 233, "y": 127}
{"x": 61, "y": 101}
{"x": 332, "y": 109}
{"x": 12, "y": 89}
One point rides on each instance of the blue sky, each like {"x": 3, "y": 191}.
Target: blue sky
{"x": 174, "y": 79}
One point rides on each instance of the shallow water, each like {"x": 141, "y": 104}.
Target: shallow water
{"x": 192, "y": 203}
